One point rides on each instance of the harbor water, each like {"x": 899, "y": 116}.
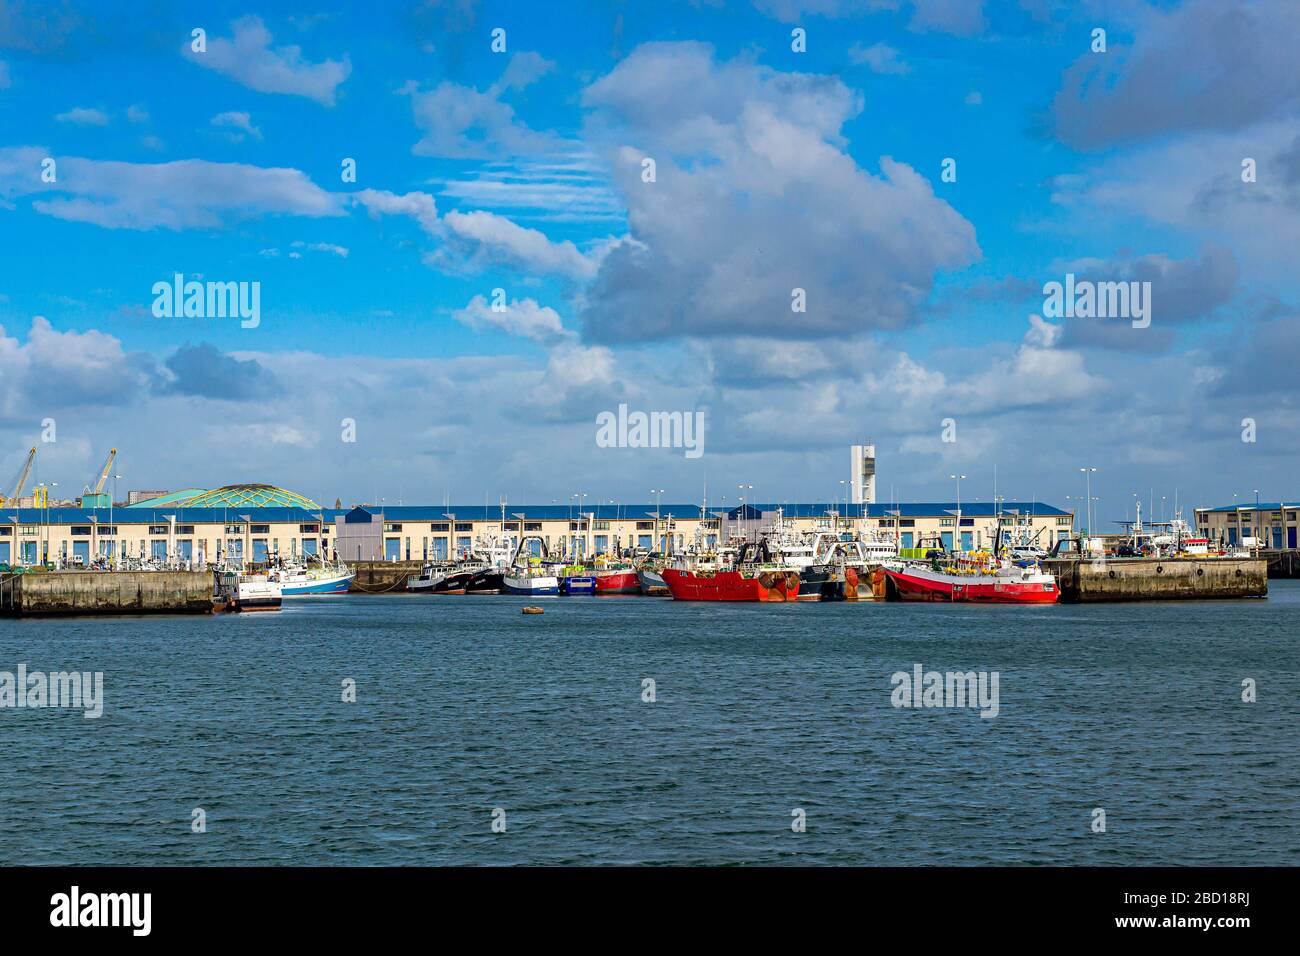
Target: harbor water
{"x": 464, "y": 706}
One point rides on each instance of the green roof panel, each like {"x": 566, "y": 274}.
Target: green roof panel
{"x": 250, "y": 496}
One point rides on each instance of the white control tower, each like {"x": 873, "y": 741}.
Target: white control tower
{"x": 863, "y": 473}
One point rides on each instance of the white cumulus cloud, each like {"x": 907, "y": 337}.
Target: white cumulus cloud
{"x": 249, "y": 59}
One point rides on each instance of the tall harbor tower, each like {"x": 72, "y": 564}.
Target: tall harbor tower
{"x": 863, "y": 473}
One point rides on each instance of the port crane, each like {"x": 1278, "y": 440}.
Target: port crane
{"x": 21, "y": 483}
{"x": 94, "y": 497}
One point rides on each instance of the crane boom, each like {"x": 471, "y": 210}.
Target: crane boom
{"x": 103, "y": 475}
{"x": 22, "y": 478}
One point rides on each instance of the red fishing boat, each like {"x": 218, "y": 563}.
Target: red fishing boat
{"x": 748, "y": 585}
{"x": 617, "y": 579}
{"x": 975, "y": 580}
{"x": 753, "y": 576}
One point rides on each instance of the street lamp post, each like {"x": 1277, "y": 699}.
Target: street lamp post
{"x": 658, "y": 493}
{"x": 1256, "y": 525}
{"x": 1087, "y": 495}
{"x": 743, "y": 500}
{"x": 451, "y": 535}
{"x": 956, "y": 545}
{"x": 45, "y": 519}
{"x": 112, "y": 550}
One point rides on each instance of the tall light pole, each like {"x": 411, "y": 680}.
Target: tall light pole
{"x": 451, "y": 534}
{"x": 743, "y": 499}
{"x": 658, "y": 493}
{"x": 582, "y": 507}
{"x": 1087, "y": 495}
{"x": 45, "y": 517}
{"x": 956, "y": 545}
{"x": 1255, "y": 525}
{"x": 112, "y": 551}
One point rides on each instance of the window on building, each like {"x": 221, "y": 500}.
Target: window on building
{"x": 158, "y": 529}
{"x": 439, "y": 526}
{"x": 645, "y": 526}
{"x": 532, "y": 526}
{"x": 464, "y": 526}
{"x": 390, "y": 526}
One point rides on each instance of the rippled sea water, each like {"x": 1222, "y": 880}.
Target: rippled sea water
{"x": 465, "y": 705}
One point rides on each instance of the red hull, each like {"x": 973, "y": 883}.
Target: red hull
{"x": 773, "y": 586}
{"x": 617, "y": 582}
{"x": 914, "y": 588}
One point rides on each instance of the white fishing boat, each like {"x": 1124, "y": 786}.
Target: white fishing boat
{"x": 525, "y": 581}
{"x": 303, "y": 579}
{"x": 875, "y": 547}
{"x": 529, "y": 574}
{"x": 250, "y": 592}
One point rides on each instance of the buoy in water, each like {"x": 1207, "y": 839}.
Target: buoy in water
{"x": 533, "y": 609}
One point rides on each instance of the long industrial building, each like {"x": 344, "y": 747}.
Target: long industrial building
{"x": 253, "y": 522}
{"x": 1273, "y": 525}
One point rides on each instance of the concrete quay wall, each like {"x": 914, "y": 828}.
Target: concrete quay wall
{"x": 382, "y": 577}
{"x": 106, "y": 592}
{"x": 1159, "y": 579}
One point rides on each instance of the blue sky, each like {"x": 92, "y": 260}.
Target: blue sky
{"x": 521, "y": 170}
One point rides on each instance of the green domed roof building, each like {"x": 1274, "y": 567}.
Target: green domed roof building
{"x": 233, "y": 496}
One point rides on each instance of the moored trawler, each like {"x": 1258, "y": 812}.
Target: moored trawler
{"x": 617, "y": 578}
{"x": 486, "y": 581}
{"x": 528, "y": 573}
{"x": 301, "y": 579}
{"x": 250, "y": 592}
{"x": 776, "y": 585}
{"x": 852, "y": 567}
{"x": 652, "y": 581}
{"x": 753, "y": 577}
{"x": 978, "y": 578}
{"x": 530, "y": 581}
{"x": 576, "y": 579}
{"x": 436, "y": 580}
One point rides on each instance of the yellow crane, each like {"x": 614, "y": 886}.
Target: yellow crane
{"x": 21, "y": 483}
{"x": 95, "y": 497}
